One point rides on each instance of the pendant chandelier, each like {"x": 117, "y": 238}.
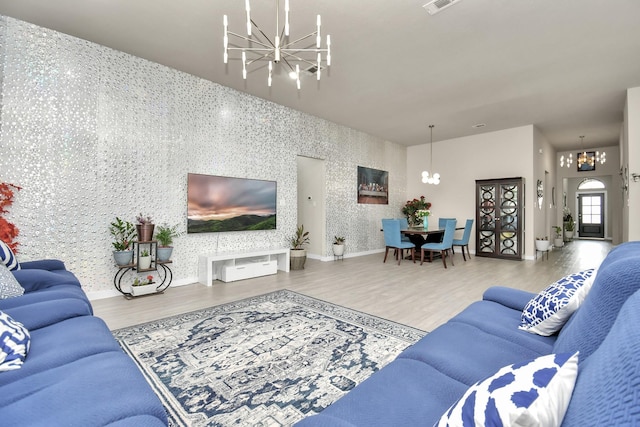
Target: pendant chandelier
{"x": 435, "y": 176}
{"x": 294, "y": 56}
{"x": 590, "y": 160}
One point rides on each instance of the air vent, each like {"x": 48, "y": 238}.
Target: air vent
{"x": 313, "y": 70}
{"x": 436, "y": 6}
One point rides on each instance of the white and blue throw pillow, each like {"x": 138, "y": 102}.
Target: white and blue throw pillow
{"x": 7, "y": 257}
{"x": 15, "y": 342}
{"x": 548, "y": 311}
{"x": 9, "y": 286}
{"x": 534, "y": 393}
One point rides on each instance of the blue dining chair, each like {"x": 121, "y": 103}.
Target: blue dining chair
{"x": 392, "y": 240}
{"x": 444, "y": 247}
{"x": 404, "y": 225}
{"x": 464, "y": 242}
{"x": 443, "y": 221}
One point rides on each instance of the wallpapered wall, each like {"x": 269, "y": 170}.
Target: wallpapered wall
{"x": 91, "y": 133}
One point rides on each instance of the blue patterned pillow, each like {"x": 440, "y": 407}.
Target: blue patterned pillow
{"x": 7, "y": 257}
{"x": 14, "y": 343}
{"x": 548, "y": 311}
{"x": 533, "y": 393}
{"x": 9, "y": 286}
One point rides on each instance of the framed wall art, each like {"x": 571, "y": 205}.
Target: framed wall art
{"x": 373, "y": 186}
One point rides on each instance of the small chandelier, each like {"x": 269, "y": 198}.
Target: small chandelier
{"x": 590, "y": 160}
{"x": 279, "y": 50}
{"x": 435, "y": 177}
{"x": 566, "y": 161}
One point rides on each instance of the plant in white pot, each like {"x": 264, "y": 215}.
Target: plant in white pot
{"x": 122, "y": 232}
{"x": 144, "y": 261}
{"x": 557, "y": 241}
{"x": 143, "y": 286}
{"x": 298, "y": 254}
{"x": 165, "y": 235}
{"x": 338, "y": 246}
{"x": 542, "y": 244}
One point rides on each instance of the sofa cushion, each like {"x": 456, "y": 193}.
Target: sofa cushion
{"x": 607, "y": 392}
{"x": 9, "y": 286}
{"x": 14, "y": 343}
{"x": 531, "y": 393}
{"x": 548, "y": 311}
{"x": 7, "y": 257}
{"x": 618, "y": 278}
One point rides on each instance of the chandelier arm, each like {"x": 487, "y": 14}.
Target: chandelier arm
{"x": 252, "y": 40}
{"x": 263, "y": 34}
{"x": 300, "y": 59}
{"x": 284, "y": 46}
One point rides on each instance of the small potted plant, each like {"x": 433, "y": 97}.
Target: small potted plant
{"x": 165, "y": 235}
{"x": 122, "y": 232}
{"x": 144, "y": 227}
{"x": 557, "y": 241}
{"x": 569, "y": 228}
{"x": 144, "y": 262}
{"x": 143, "y": 286}
{"x": 338, "y": 246}
{"x": 298, "y": 252}
{"x": 542, "y": 244}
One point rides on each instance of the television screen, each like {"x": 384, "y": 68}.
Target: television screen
{"x": 220, "y": 203}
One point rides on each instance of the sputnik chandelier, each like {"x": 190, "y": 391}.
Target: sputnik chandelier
{"x": 435, "y": 176}
{"x": 279, "y": 51}
{"x": 590, "y": 160}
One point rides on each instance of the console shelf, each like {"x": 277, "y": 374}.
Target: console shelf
{"x": 232, "y": 266}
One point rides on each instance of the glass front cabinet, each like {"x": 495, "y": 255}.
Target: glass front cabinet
{"x": 500, "y": 218}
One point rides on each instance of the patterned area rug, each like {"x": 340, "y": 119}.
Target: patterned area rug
{"x": 270, "y": 360}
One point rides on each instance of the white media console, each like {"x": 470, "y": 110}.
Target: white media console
{"x": 230, "y": 266}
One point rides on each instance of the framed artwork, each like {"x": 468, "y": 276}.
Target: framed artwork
{"x": 589, "y": 163}
{"x": 373, "y": 186}
{"x": 540, "y": 193}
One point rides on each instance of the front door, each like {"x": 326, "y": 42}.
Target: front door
{"x": 591, "y": 215}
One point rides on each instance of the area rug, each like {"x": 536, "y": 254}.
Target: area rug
{"x": 269, "y": 360}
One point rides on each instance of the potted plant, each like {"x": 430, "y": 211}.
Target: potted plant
{"x": 144, "y": 227}
{"x": 557, "y": 241}
{"x": 144, "y": 261}
{"x": 122, "y": 232}
{"x": 338, "y": 246}
{"x": 298, "y": 253}
{"x": 143, "y": 286}
{"x": 165, "y": 235}
{"x": 542, "y": 244}
{"x": 569, "y": 228}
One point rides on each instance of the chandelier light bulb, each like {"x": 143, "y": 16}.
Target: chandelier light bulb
{"x": 248, "y": 7}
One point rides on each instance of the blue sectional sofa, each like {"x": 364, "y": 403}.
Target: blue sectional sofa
{"x": 419, "y": 386}
{"x": 75, "y": 373}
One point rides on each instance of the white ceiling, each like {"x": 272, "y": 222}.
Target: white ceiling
{"x": 562, "y": 65}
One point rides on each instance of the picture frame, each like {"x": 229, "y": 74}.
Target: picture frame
{"x": 372, "y": 186}
{"x": 589, "y": 164}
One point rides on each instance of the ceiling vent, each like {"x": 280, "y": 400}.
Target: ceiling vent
{"x": 436, "y": 6}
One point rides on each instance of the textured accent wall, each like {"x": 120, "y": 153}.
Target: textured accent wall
{"x": 91, "y": 133}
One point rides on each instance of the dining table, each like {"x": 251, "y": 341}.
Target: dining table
{"x": 419, "y": 235}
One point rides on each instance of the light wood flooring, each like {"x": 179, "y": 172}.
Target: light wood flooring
{"x": 420, "y": 296}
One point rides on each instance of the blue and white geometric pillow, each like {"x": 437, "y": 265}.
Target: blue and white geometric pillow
{"x": 534, "y": 393}
{"x": 548, "y": 311}
{"x": 9, "y": 286}
{"x": 7, "y": 257}
{"x": 15, "y": 342}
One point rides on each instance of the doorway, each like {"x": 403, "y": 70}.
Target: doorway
{"x": 311, "y": 203}
{"x": 591, "y": 215}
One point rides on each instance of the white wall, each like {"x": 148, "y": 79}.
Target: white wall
{"x": 631, "y": 160}
{"x": 461, "y": 161}
{"x": 90, "y": 133}
{"x": 311, "y": 202}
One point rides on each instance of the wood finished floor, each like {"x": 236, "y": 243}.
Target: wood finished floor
{"x": 420, "y": 296}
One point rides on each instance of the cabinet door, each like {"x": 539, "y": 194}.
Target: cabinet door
{"x": 498, "y": 218}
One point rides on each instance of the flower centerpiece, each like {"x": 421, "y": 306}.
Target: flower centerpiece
{"x": 415, "y": 210}
{"x": 424, "y": 214}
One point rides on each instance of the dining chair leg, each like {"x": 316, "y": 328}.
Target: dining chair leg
{"x": 413, "y": 255}
{"x": 430, "y": 256}
{"x": 385, "y": 254}
{"x": 400, "y": 254}
{"x": 451, "y": 260}
{"x": 468, "y": 253}
{"x": 442, "y": 254}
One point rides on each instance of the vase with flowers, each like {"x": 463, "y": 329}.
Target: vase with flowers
{"x": 415, "y": 210}
{"x": 424, "y": 214}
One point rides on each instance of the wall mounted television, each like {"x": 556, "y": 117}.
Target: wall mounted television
{"x": 221, "y": 203}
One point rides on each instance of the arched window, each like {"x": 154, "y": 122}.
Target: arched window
{"x": 591, "y": 184}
